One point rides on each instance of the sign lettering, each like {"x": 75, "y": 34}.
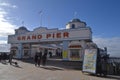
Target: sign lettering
{"x": 46, "y": 36}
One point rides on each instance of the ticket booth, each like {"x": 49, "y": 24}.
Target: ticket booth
{"x": 26, "y": 51}
{"x": 75, "y": 51}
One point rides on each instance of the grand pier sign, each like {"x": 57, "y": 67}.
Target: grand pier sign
{"x": 41, "y": 35}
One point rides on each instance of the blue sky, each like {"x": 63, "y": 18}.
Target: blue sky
{"x": 101, "y": 15}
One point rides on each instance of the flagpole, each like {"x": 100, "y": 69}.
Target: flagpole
{"x": 22, "y": 23}
{"x": 40, "y": 13}
{"x": 41, "y": 21}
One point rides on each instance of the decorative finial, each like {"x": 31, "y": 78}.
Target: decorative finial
{"x": 22, "y": 23}
{"x": 40, "y": 13}
{"x": 75, "y": 14}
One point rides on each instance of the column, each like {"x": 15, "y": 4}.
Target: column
{"x": 30, "y": 51}
{"x": 20, "y": 51}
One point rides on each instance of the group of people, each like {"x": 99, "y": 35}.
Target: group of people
{"x": 40, "y": 58}
{"x": 5, "y": 56}
{"x": 102, "y": 61}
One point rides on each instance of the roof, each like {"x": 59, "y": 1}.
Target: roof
{"x": 22, "y": 28}
{"x": 75, "y": 20}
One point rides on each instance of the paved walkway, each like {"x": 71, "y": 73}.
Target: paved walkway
{"x": 27, "y": 71}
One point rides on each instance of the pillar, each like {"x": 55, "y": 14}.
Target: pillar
{"x": 20, "y": 51}
{"x": 30, "y": 51}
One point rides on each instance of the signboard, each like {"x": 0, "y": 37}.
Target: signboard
{"x": 65, "y": 54}
{"x": 89, "y": 63}
{"x": 58, "y": 35}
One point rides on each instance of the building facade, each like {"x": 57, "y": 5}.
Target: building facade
{"x": 70, "y": 42}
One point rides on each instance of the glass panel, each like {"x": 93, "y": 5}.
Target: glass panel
{"x": 74, "y": 54}
{"x": 73, "y": 26}
{"x": 13, "y": 52}
{"x": 26, "y": 52}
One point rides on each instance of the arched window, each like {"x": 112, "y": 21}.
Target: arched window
{"x": 73, "y": 26}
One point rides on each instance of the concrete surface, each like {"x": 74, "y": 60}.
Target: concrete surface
{"x": 28, "y": 71}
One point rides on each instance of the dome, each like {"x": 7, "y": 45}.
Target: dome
{"x": 75, "y": 20}
{"x": 75, "y": 23}
{"x": 23, "y": 28}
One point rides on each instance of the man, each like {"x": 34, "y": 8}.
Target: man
{"x": 10, "y": 58}
{"x": 44, "y": 57}
{"x": 39, "y": 58}
{"x": 36, "y": 58}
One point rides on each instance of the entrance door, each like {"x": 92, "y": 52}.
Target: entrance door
{"x": 14, "y": 52}
{"x": 26, "y": 53}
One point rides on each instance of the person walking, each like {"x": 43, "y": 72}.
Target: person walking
{"x": 36, "y": 58}
{"x": 44, "y": 58}
{"x": 0, "y": 57}
{"x": 10, "y": 58}
{"x": 39, "y": 58}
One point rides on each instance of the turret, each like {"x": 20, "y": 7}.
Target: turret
{"x": 75, "y": 23}
{"x": 21, "y": 30}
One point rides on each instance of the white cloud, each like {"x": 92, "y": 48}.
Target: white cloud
{"x": 4, "y": 47}
{"x": 3, "y": 42}
{"x": 8, "y": 5}
{"x": 6, "y": 28}
{"x": 112, "y": 45}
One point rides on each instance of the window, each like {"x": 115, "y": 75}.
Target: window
{"x": 73, "y": 26}
{"x": 14, "y": 52}
{"x": 26, "y": 52}
{"x": 74, "y": 53}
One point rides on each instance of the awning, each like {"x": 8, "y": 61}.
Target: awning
{"x": 25, "y": 47}
{"x": 75, "y": 46}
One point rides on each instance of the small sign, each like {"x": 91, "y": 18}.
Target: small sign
{"x": 65, "y": 55}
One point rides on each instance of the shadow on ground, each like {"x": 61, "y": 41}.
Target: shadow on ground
{"x": 53, "y": 64}
{"x": 15, "y": 64}
{"x": 107, "y": 76}
{"x": 53, "y": 68}
{"x": 59, "y": 63}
